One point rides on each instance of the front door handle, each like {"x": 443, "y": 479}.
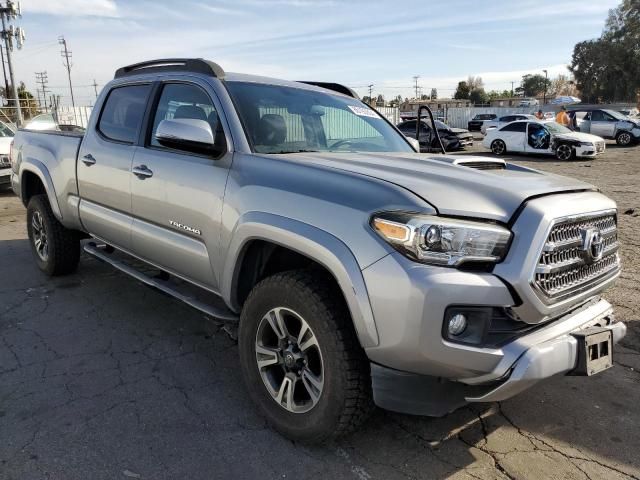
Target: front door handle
{"x": 88, "y": 160}
{"x": 142, "y": 172}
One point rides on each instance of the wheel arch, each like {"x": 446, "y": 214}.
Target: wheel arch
{"x": 263, "y": 243}
{"x": 34, "y": 180}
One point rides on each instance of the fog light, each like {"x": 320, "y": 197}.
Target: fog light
{"x": 457, "y": 324}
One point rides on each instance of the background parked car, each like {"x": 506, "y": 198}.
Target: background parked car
{"x": 502, "y": 121}
{"x": 528, "y": 102}
{"x": 539, "y": 136}
{"x": 607, "y": 124}
{"x": 452, "y": 138}
{"x": 475, "y": 124}
{"x": 6, "y": 137}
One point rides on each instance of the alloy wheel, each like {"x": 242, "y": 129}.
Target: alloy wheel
{"x": 40, "y": 240}
{"x": 624, "y": 139}
{"x": 564, "y": 152}
{"x": 498, "y": 147}
{"x": 289, "y": 360}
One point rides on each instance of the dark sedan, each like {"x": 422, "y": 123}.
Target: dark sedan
{"x": 475, "y": 124}
{"x": 452, "y": 138}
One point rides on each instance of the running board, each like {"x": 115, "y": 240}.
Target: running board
{"x": 210, "y": 310}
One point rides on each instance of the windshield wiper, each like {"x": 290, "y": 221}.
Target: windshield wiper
{"x": 292, "y": 151}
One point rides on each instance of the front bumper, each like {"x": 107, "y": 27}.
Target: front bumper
{"x": 546, "y": 354}
{"x": 5, "y": 177}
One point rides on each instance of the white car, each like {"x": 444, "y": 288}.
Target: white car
{"x": 6, "y": 137}
{"x": 539, "y": 136}
{"x": 502, "y": 121}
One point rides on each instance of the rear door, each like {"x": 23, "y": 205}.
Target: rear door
{"x": 538, "y": 138}
{"x": 177, "y": 206}
{"x": 513, "y": 135}
{"x": 104, "y": 164}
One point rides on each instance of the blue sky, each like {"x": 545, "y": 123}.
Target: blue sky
{"x": 355, "y": 42}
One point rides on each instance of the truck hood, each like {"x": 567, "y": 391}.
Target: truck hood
{"x": 450, "y": 183}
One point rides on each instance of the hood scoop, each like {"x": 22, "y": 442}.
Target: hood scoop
{"x": 478, "y": 163}
{"x": 484, "y": 164}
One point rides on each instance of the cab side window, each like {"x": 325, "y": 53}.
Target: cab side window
{"x": 181, "y": 100}
{"x": 122, "y": 113}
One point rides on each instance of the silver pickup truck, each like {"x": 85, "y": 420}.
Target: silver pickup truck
{"x": 361, "y": 272}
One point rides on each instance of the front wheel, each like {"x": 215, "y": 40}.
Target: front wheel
{"x": 565, "y": 152}
{"x": 300, "y": 358}
{"x": 624, "y": 139}
{"x": 498, "y": 147}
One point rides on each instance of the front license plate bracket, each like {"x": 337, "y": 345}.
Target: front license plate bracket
{"x": 595, "y": 351}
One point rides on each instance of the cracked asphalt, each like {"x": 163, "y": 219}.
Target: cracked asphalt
{"x": 102, "y": 378}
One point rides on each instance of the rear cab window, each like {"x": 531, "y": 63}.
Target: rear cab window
{"x": 122, "y": 113}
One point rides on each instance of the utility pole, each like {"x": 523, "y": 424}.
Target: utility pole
{"x": 4, "y": 72}
{"x": 66, "y": 55}
{"x": 370, "y": 87}
{"x": 546, "y": 76}
{"x": 42, "y": 80}
{"x": 10, "y": 11}
{"x": 512, "y": 82}
{"x": 95, "y": 88}
{"x": 415, "y": 80}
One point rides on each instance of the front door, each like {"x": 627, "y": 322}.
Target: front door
{"x": 104, "y": 165}
{"x": 177, "y": 203}
{"x": 538, "y": 138}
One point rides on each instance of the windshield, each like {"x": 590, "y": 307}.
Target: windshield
{"x": 281, "y": 119}
{"x": 555, "y": 127}
{"x": 616, "y": 115}
{"x": 5, "y": 130}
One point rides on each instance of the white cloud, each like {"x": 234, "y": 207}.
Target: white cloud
{"x": 78, "y": 8}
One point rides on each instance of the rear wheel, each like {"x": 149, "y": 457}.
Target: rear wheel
{"x": 624, "y": 139}
{"x": 565, "y": 152}
{"x": 55, "y": 248}
{"x": 300, "y": 357}
{"x": 498, "y": 147}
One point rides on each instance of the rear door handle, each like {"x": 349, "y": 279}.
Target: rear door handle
{"x": 88, "y": 160}
{"x": 142, "y": 172}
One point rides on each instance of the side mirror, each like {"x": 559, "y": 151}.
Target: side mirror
{"x": 414, "y": 143}
{"x": 189, "y": 134}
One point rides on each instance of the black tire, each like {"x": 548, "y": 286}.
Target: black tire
{"x": 624, "y": 138}
{"x": 565, "y": 152}
{"x": 345, "y": 401}
{"x": 63, "y": 245}
{"x": 498, "y": 147}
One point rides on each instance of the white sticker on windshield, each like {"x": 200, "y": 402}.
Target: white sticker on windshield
{"x": 363, "y": 111}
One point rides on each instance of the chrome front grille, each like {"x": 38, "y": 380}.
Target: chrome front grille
{"x": 4, "y": 161}
{"x": 565, "y": 265}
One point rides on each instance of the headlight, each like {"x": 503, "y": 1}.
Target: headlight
{"x": 587, "y": 144}
{"x": 442, "y": 241}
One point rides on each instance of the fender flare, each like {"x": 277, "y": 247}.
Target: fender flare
{"x": 316, "y": 244}
{"x": 40, "y": 170}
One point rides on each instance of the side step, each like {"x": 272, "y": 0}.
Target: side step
{"x": 164, "y": 287}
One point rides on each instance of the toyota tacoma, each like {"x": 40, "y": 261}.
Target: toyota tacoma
{"x": 360, "y": 271}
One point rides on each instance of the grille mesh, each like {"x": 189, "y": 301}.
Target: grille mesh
{"x": 563, "y": 268}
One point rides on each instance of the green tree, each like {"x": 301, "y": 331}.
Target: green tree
{"x": 478, "y": 96}
{"x": 462, "y": 92}
{"x": 434, "y": 94}
{"x": 608, "y": 69}
{"x": 533, "y": 85}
